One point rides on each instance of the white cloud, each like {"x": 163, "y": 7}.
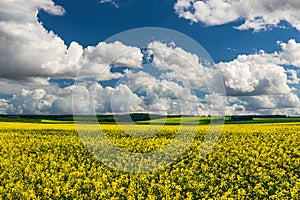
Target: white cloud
{"x": 87, "y": 99}
{"x": 258, "y": 82}
{"x": 287, "y": 111}
{"x": 114, "y": 100}
{"x": 271, "y": 102}
{"x": 66, "y": 65}
{"x": 9, "y": 87}
{"x": 262, "y": 73}
{"x": 25, "y": 11}
{"x": 45, "y": 101}
{"x": 3, "y": 106}
{"x": 110, "y": 1}
{"x": 264, "y": 104}
{"x": 114, "y": 53}
{"x": 161, "y": 95}
{"x": 97, "y": 60}
{"x": 291, "y": 52}
{"x": 94, "y": 61}
{"x": 29, "y": 51}
{"x": 257, "y": 74}
{"x": 258, "y": 14}
{"x": 293, "y": 76}
{"x": 25, "y": 47}
{"x": 183, "y": 66}
{"x": 29, "y": 102}
{"x": 236, "y": 109}
{"x": 30, "y": 55}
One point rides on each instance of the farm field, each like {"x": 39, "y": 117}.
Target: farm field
{"x": 249, "y": 161}
{"x": 137, "y": 118}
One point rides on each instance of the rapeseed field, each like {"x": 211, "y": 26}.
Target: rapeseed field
{"x": 50, "y": 161}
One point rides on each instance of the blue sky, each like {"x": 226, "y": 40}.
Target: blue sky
{"x": 256, "y": 48}
{"x": 91, "y": 22}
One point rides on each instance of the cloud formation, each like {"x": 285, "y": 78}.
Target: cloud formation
{"x": 26, "y": 11}
{"x": 180, "y": 83}
{"x": 291, "y": 52}
{"x": 255, "y": 83}
{"x": 257, "y": 14}
{"x": 185, "y": 67}
{"x": 258, "y": 74}
{"x": 28, "y": 51}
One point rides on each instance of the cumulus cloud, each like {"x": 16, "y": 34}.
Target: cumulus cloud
{"x": 236, "y": 109}
{"x": 94, "y": 61}
{"x": 261, "y": 83}
{"x": 30, "y": 102}
{"x": 25, "y": 11}
{"x": 142, "y": 93}
{"x": 293, "y": 76}
{"x": 116, "y": 100}
{"x": 29, "y": 51}
{"x": 25, "y": 44}
{"x": 182, "y": 83}
{"x": 255, "y": 103}
{"x": 25, "y": 47}
{"x": 286, "y": 111}
{"x": 262, "y": 73}
{"x": 98, "y": 60}
{"x": 87, "y": 99}
{"x": 287, "y": 104}
{"x": 257, "y": 74}
{"x": 291, "y": 52}
{"x": 253, "y": 83}
{"x": 183, "y": 66}
{"x": 257, "y": 14}
{"x": 163, "y": 96}
{"x": 4, "y": 106}
{"x": 9, "y": 87}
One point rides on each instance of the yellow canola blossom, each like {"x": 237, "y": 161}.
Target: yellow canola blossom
{"x": 49, "y": 161}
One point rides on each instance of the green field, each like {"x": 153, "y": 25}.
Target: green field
{"x": 157, "y": 120}
{"x": 178, "y": 120}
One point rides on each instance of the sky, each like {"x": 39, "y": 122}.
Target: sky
{"x": 71, "y": 56}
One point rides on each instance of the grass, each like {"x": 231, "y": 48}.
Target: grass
{"x": 48, "y": 121}
{"x": 265, "y": 120}
{"x": 166, "y": 121}
{"x": 178, "y": 120}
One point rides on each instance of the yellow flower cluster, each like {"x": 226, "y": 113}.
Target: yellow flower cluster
{"x": 248, "y": 162}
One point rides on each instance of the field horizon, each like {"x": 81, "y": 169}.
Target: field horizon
{"x": 146, "y": 118}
